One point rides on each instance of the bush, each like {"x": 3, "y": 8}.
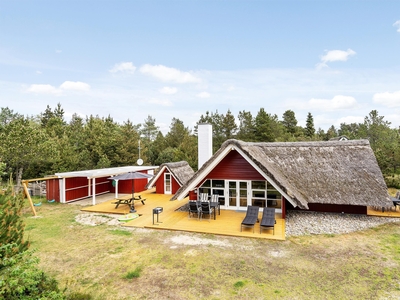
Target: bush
{"x": 12, "y": 226}
{"x": 393, "y": 181}
{"x": 21, "y": 279}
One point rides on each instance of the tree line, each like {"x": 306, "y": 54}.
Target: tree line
{"x": 36, "y": 146}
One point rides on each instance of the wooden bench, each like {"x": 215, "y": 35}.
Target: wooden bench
{"x": 130, "y": 201}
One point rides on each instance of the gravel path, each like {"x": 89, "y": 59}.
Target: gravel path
{"x": 302, "y": 222}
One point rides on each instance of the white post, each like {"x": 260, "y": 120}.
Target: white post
{"x": 116, "y": 189}
{"x": 94, "y": 190}
{"x": 63, "y": 192}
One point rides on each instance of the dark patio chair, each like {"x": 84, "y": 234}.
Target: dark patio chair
{"x": 396, "y": 200}
{"x": 206, "y": 209}
{"x": 268, "y": 219}
{"x": 194, "y": 209}
{"x": 251, "y": 217}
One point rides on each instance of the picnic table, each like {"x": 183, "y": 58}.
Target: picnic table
{"x": 129, "y": 201}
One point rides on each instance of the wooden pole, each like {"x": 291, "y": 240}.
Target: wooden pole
{"x": 24, "y": 184}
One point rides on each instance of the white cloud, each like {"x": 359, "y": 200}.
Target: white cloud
{"x": 350, "y": 119}
{"x": 397, "y": 24}
{"x": 168, "y": 90}
{"x": 203, "y": 95}
{"x": 168, "y": 74}
{"x": 335, "y": 55}
{"x": 39, "y": 72}
{"x": 387, "y": 99}
{"x": 126, "y": 67}
{"x": 58, "y": 51}
{"x": 43, "y": 89}
{"x": 336, "y": 103}
{"x": 75, "y": 85}
{"x": 49, "y": 89}
{"x": 161, "y": 102}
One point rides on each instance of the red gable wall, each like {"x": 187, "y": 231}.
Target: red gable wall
{"x": 160, "y": 184}
{"x": 175, "y": 185}
{"x": 234, "y": 166}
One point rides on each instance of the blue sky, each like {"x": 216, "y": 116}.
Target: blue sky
{"x": 178, "y": 59}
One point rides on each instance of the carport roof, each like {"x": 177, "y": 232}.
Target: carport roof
{"x": 107, "y": 172}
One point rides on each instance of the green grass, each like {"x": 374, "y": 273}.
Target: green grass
{"x": 134, "y": 274}
{"x": 121, "y": 232}
{"x": 102, "y": 261}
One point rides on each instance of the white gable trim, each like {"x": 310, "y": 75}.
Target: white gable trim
{"x": 162, "y": 170}
{"x": 217, "y": 160}
{"x": 207, "y": 170}
{"x": 154, "y": 179}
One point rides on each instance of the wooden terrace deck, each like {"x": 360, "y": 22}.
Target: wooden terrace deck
{"x": 394, "y": 213}
{"x": 227, "y": 223}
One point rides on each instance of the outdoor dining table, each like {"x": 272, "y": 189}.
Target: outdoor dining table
{"x": 214, "y": 205}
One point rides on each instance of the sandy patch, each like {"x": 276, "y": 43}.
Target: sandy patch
{"x": 95, "y": 219}
{"x": 194, "y": 241}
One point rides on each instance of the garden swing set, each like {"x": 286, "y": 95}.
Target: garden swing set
{"x": 28, "y": 195}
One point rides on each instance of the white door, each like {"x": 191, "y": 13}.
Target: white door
{"x": 238, "y": 196}
{"x": 167, "y": 183}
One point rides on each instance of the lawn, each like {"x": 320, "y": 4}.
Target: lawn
{"x": 111, "y": 262}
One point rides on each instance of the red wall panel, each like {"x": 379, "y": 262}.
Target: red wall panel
{"x": 160, "y": 184}
{"x": 53, "y": 189}
{"x": 234, "y": 166}
{"x": 175, "y": 185}
{"x": 125, "y": 186}
{"x": 76, "y": 188}
{"x": 160, "y": 188}
{"x": 79, "y": 187}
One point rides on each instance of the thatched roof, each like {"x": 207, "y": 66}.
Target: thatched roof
{"x": 180, "y": 170}
{"x": 333, "y": 172}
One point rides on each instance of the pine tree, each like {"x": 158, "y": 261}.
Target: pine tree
{"x": 310, "y": 129}
{"x": 289, "y": 121}
{"x": 11, "y": 224}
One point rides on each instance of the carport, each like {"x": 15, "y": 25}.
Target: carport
{"x": 77, "y": 185}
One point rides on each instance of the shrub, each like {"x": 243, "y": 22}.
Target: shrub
{"x": 11, "y": 224}
{"x": 21, "y": 279}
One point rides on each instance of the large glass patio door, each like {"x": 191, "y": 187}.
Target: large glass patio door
{"x": 237, "y": 194}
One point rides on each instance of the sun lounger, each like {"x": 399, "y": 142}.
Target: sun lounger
{"x": 268, "y": 219}
{"x": 251, "y": 217}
